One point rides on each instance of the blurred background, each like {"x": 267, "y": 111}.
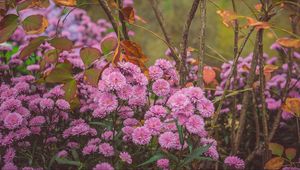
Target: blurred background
{"x": 219, "y": 37}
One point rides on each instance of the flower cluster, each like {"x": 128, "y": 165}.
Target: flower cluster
{"x": 275, "y": 81}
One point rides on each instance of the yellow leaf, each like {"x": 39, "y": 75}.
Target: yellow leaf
{"x": 269, "y": 68}
{"x": 258, "y": 24}
{"x": 227, "y": 16}
{"x": 289, "y": 42}
{"x": 293, "y": 105}
{"x": 66, "y": 2}
{"x": 274, "y": 163}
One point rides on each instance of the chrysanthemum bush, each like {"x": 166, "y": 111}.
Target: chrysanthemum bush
{"x": 126, "y": 119}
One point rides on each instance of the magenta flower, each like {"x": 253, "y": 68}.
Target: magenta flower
{"x": 168, "y": 140}
{"x": 162, "y": 163}
{"x": 195, "y": 124}
{"x": 206, "y": 107}
{"x": 62, "y": 104}
{"x": 106, "y": 149}
{"x": 107, "y": 101}
{"x": 154, "y": 125}
{"x": 115, "y": 80}
{"x": 103, "y": 166}
{"x": 234, "y": 162}
{"x": 126, "y": 157}
{"x": 141, "y": 136}
{"x": 161, "y": 87}
{"x": 155, "y": 72}
{"x": 178, "y": 101}
{"x": 13, "y": 120}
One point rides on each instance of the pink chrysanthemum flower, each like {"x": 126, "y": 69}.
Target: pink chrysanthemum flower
{"x": 125, "y": 112}
{"x": 62, "y": 154}
{"x": 168, "y": 140}
{"x": 195, "y": 124}
{"x": 107, "y": 101}
{"x": 46, "y": 103}
{"x": 90, "y": 149}
{"x": 178, "y": 101}
{"x": 9, "y": 166}
{"x": 13, "y": 120}
{"x": 115, "y": 80}
{"x": 162, "y": 163}
{"x": 141, "y": 136}
{"x": 234, "y": 162}
{"x": 126, "y": 157}
{"x": 194, "y": 93}
{"x": 161, "y": 87}
{"x": 103, "y": 166}
{"x": 205, "y": 107}
{"x": 37, "y": 121}
{"x": 155, "y": 72}
{"x": 62, "y": 104}
{"x": 125, "y": 92}
{"x": 99, "y": 113}
{"x": 106, "y": 149}
{"x": 154, "y": 125}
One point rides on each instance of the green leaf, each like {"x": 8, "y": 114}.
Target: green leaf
{"x": 62, "y": 73}
{"x": 290, "y": 153}
{"x": 196, "y": 154}
{"x": 61, "y": 43}
{"x": 35, "y": 24}
{"x": 91, "y": 76}
{"x": 8, "y": 25}
{"x": 71, "y": 90}
{"x": 152, "y": 159}
{"x": 51, "y": 56}
{"x": 89, "y": 55}
{"x": 180, "y": 132}
{"x": 276, "y": 149}
{"x": 104, "y": 125}
{"x": 75, "y": 154}
{"x": 108, "y": 44}
{"x": 65, "y": 161}
{"x": 32, "y": 46}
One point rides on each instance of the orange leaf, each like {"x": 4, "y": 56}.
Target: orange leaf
{"x": 112, "y": 4}
{"x": 269, "y": 68}
{"x": 289, "y": 42}
{"x": 293, "y": 105}
{"x": 128, "y": 14}
{"x": 35, "y": 24}
{"x": 209, "y": 74}
{"x": 66, "y": 2}
{"x": 258, "y": 6}
{"x": 133, "y": 50}
{"x": 258, "y": 24}
{"x": 274, "y": 163}
{"x": 227, "y": 16}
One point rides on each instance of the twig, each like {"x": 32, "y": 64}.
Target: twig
{"x": 123, "y": 24}
{"x": 185, "y": 35}
{"x": 256, "y": 120}
{"x": 162, "y": 25}
{"x": 234, "y": 65}
{"x": 235, "y": 82}
{"x": 245, "y": 100}
{"x": 262, "y": 82}
{"x": 202, "y": 41}
{"x": 108, "y": 13}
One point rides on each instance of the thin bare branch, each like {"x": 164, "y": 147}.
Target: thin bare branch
{"x": 109, "y": 15}
{"x": 123, "y": 24}
{"x": 185, "y": 34}
{"x": 162, "y": 25}
{"x": 202, "y": 41}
